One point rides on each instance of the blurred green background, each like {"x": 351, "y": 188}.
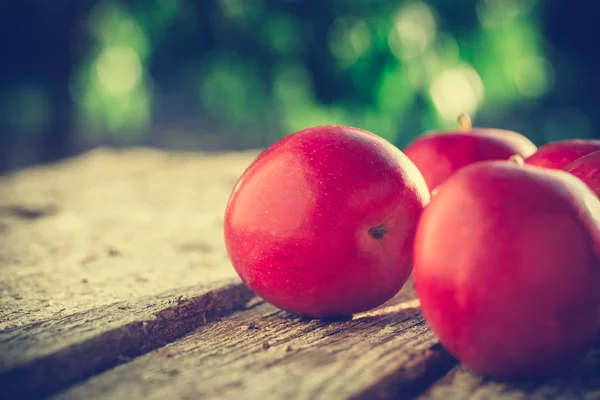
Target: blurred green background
{"x": 235, "y": 74}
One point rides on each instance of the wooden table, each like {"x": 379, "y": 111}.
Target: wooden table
{"x": 115, "y": 284}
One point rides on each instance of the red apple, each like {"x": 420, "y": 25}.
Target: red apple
{"x": 556, "y": 155}
{"x": 439, "y": 154}
{"x": 587, "y": 168}
{"x": 506, "y": 265}
{"x": 322, "y": 223}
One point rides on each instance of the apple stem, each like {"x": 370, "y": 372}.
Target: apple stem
{"x": 517, "y": 159}
{"x": 464, "y": 122}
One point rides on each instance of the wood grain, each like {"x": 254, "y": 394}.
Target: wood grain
{"x": 111, "y": 225}
{"x": 114, "y": 277}
{"x": 43, "y": 358}
{"x": 263, "y": 353}
{"x": 581, "y": 382}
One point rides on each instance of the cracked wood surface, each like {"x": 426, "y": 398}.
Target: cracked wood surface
{"x": 49, "y": 356}
{"x": 263, "y": 353}
{"x": 111, "y": 225}
{"x": 89, "y": 247}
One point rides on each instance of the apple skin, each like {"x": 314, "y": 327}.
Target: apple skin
{"x": 556, "y": 155}
{"x": 587, "y": 168}
{"x": 440, "y": 154}
{"x": 506, "y": 266}
{"x": 322, "y": 223}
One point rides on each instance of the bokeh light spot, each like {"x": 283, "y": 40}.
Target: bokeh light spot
{"x": 497, "y": 13}
{"x": 118, "y": 69}
{"x": 534, "y": 76}
{"x": 349, "y": 38}
{"x": 113, "y": 25}
{"x": 414, "y": 30}
{"x": 456, "y": 90}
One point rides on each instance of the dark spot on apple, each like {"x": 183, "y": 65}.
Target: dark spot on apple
{"x": 377, "y": 232}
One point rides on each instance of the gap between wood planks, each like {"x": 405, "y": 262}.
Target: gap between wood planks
{"x": 178, "y": 346}
{"x": 263, "y": 352}
{"x": 46, "y": 358}
{"x": 43, "y": 358}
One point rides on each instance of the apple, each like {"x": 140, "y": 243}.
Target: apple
{"x": 439, "y": 154}
{"x": 506, "y": 265}
{"x": 587, "y": 168}
{"x": 556, "y": 155}
{"x": 322, "y": 223}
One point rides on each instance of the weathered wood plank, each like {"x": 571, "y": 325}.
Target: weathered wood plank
{"x": 581, "y": 382}
{"x": 108, "y": 226}
{"x": 265, "y": 353}
{"x": 45, "y": 357}
{"x": 80, "y": 238}
{"x": 93, "y": 252}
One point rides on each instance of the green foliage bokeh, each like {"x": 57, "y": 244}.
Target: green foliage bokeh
{"x": 251, "y": 71}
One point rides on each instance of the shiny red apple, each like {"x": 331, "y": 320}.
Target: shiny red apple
{"x": 587, "y": 168}
{"x": 507, "y": 269}
{"x": 440, "y": 154}
{"x": 322, "y": 223}
{"x": 556, "y": 155}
